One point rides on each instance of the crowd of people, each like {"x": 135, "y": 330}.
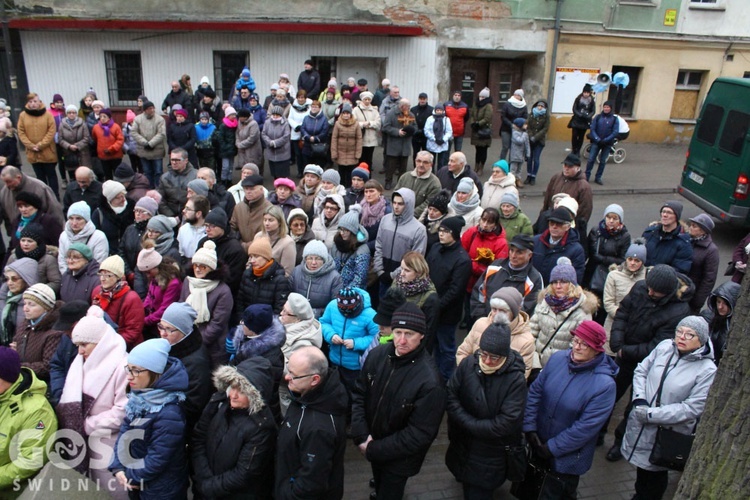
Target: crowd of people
{"x": 247, "y": 331}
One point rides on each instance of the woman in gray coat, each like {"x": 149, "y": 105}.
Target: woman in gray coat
{"x": 685, "y": 369}
{"x": 276, "y": 133}
{"x": 316, "y": 277}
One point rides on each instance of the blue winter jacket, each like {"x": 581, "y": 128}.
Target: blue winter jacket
{"x": 567, "y": 406}
{"x": 360, "y": 328}
{"x": 604, "y": 128}
{"x": 546, "y": 255}
{"x": 157, "y": 437}
{"x": 673, "y": 248}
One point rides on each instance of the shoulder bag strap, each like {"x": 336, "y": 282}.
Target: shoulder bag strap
{"x": 664, "y": 374}
{"x": 553, "y": 335}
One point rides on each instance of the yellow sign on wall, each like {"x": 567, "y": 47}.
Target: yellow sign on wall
{"x": 670, "y": 17}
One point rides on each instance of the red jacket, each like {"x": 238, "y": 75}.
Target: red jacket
{"x": 112, "y": 143}
{"x": 472, "y": 240}
{"x": 458, "y": 114}
{"x": 128, "y": 312}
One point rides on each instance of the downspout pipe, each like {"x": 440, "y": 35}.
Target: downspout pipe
{"x": 553, "y": 61}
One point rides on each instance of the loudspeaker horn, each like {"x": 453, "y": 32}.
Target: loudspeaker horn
{"x": 604, "y": 78}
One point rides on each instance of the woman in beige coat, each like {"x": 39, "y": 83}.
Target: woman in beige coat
{"x": 368, "y": 118}
{"x": 346, "y": 144}
{"x": 283, "y": 247}
{"x": 504, "y": 301}
{"x": 36, "y": 129}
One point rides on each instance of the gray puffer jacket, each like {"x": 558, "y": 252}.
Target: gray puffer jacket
{"x": 319, "y": 288}
{"x": 683, "y": 397}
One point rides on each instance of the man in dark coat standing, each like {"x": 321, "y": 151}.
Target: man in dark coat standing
{"x": 451, "y": 174}
{"x": 85, "y": 188}
{"x": 450, "y": 270}
{"x": 558, "y": 241}
{"x": 422, "y": 111}
{"x": 572, "y": 181}
{"x": 397, "y": 404}
{"x": 604, "y": 129}
{"x": 309, "y": 80}
{"x": 312, "y": 438}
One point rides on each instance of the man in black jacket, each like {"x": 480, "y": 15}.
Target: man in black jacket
{"x": 516, "y": 271}
{"x": 228, "y": 248}
{"x": 648, "y": 314}
{"x": 309, "y": 80}
{"x": 312, "y": 438}
{"x": 450, "y": 175}
{"x": 85, "y": 188}
{"x": 397, "y": 404}
{"x": 422, "y": 111}
{"x": 450, "y": 271}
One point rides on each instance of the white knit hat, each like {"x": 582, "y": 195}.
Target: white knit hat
{"x": 41, "y": 294}
{"x": 206, "y": 255}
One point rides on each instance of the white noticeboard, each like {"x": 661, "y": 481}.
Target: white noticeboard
{"x": 568, "y": 84}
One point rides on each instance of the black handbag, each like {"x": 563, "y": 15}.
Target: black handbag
{"x": 671, "y": 448}
{"x": 515, "y": 459}
{"x": 537, "y": 478}
{"x": 729, "y": 271}
{"x": 319, "y": 148}
{"x": 484, "y": 133}
{"x": 599, "y": 278}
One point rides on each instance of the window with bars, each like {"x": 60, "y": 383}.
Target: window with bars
{"x": 227, "y": 68}
{"x": 124, "y": 77}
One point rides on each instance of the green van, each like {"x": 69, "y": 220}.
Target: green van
{"x": 716, "y": 176}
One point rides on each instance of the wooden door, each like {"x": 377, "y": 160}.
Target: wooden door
{"x": 505, "y": 76}
{"x": 469, "y": 76}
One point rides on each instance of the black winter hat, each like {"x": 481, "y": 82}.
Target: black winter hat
{"x": 70, "y": 314}
{"x": 217, "y": 217}
{"x": 496, "y": 337}
{"x": 662, "y": 278}
{"x": 394, "y": 297}
{"x": 244, "y": 113}
{"x": 29, "y": 199}
{"x": 409, "y": 316}
{"x": 35, "y": 232}
{"x": 349, "y": 302}
{"x": 572, "y": 159}
{"x": 440, "y": 201}
{"x": 454, "y": 225}
{"x": 674, "y": 206}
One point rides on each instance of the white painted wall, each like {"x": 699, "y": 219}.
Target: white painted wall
{"x": 728, "y": 18}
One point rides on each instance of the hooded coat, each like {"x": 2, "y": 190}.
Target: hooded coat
{"x": 538, "y": 126}
{"x": 318, "y": 288}
{"x": 515, "y": 224}
{"x": 77, "y": 135}
{"x": 683, "y": 397}
{"x": 161, "y": 440}
{"x": 397, "y": 235}
{"x": 567, "y": 406}
{"x": 718, "y": 325}
{"x": 89, "y": 236}
{"x": 361, "y": 328}
{"x": 232, "y": 449}
{"x": 312, "y": 442}
{"x": 485, "y": 414}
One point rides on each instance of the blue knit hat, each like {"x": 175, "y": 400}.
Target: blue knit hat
{"x": 564, "y": 271}
{"x": 81, "y": 209}
{"x": 151, "y": 355}
{"x": 258, "y": 317}
{"x": 181, "y": 316}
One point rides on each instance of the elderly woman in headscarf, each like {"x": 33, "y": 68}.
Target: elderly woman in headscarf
{"x": 31, "y": 245}
{"x": 300, "y": 231}
{"x": 82, "y": 275}
{"x": 19, "y": 275}
{"x": 206, "y": 292}
{"x": 670, "y": 388}
{"x": 316, "y": 278}
{"x": 94, "y": 396}
{"x": 465, "y": 202}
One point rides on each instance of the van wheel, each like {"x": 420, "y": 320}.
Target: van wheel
{"x": 619, "y": 155}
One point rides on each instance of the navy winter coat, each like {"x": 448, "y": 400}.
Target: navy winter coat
{"x": 545, "y": 256}
{"x": 567, "y": 406}
{"x": 673, "y": 248}
{"x": 604, "y": 129}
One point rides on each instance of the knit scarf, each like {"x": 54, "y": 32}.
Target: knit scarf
{"x": 301, "y": 107}
{"x": 414, "y": 287}
{"x": 258, "y": 271}
{"x": 106, "y": 297}
{"x": 559, "y": 304}
{"x": 464, "y": 208}
{"x": 35, "y": 112}
{"x": 164, "y": 242}
{"x": 698, "y": 238}
{"x": 70, "y": 122}
{"x": 23, "y": 222}
{"x": 117, "y": 210}
{"x": 231, "y": 123}
{"x": 438, "y": 126}
{"x": 141, "y": 402}
{"x": 106, "y": 127}
{"x": 8, "y": 323}
{"x": 539, "y": 112}
{"x": 489, "y": 370}
{"x": 198, "y": 298}
{"x": 432, "y": 225}
{"x": 372, "y": 213}
{"x": 517, "y": 103}
{"x": 612, "y": 232}
{"x": 35, "y": 254}
{"x": 483, "y": 102}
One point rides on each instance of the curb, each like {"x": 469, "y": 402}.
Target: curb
{"x": 604, "y": 191}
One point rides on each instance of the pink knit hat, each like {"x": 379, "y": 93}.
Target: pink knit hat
{"x": 129, "y": 116}
{"x": 283, "y": 181}
{"x": 148, "y": 258}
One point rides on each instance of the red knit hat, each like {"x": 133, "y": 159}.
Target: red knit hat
{"x": 592, "y": 333}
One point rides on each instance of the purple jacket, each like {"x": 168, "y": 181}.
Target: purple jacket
{"x": 157, "y": 300}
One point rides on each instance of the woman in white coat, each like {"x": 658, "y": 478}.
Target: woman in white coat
{"x": 94, "y": 396}
{"x": 670, "y": 388}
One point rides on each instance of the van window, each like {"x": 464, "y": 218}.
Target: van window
{"x": 735, "y": 131}
{"x": 710, "y": 122}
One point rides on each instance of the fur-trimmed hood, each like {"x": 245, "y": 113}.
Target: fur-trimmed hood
{"x": 248, "y": 376}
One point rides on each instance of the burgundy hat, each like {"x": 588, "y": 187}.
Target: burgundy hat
{"x": 592, "y": 333}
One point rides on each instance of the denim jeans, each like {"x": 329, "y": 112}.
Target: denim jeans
{"x": 152, "y": 171}
{"x": 595, "y": 151}
{"x": 226, "y": 169}
{"x": 532, "y": 168}
{"x": 458, "y": 143}
{"x": 445, "y": 354}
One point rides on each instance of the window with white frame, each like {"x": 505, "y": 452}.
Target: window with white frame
{"x": 124, "y": 77}
{"x": 687, "y": 89}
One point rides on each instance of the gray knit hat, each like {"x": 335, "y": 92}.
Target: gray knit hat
{"x": 507, "y": 297}
{"x": 698, "y": 324}
{"x": 564, "y": 271}
{"x": 637, "y": 249}
{"x": 161, "y": 223}
{"x": 510, "y": 198}
{"x": 350, "y": 222}
{"x": 316, "y": 248}
{"x": 466, "y": 185}
{"x": 316, "y": 170}
{"x": 198, "y": 186}
{"x": 332, "y": 176}
{"x": 616, "y": 209}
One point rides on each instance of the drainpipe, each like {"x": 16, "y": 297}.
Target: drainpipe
{"x": 553, "y": 61}
{"x": 13, "y": 97}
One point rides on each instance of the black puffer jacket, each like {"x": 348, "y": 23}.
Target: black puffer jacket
{"x": 719, "y": 325}
{"x": 194, "y": 356}
{"x": 219, "y": 197}
{"x": 232, "y": 449}
{"x": 173, "y": 190}
{"x": 311, "y": 445}
{"x": 485, "y": 414}
{"x": 605, "y": 249}
{"x": 450, "y": 270}
{"x": 111, "y": 224}
{"x": 641, "y": 323}
{"x": 399, "y": 401}
{"x": 271, "y": 288}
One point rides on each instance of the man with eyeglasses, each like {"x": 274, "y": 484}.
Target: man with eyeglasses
{"x": 174, "y": 183}
{"x": 247, "y": 218}
{"x": 558, "y": 241}
{"x": 648, "y": 314}
{"x": 666, "y": 241}
{"x": 312, "y": 438}
{"x": 193, "y": 228}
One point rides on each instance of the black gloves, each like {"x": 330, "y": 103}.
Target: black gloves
{"x": 439, "y": 142}
{"x": 298, "y": 128}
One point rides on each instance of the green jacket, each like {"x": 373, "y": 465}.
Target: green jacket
{"x": 518, "y": 223}
{"x": 424, "y": 189}
{"x": 24, "y": 407}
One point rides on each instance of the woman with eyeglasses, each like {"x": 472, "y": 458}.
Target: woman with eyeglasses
{"x": 316, "y": 278}
{"x": 165, "y": 285}
{"x": 567, "y": 405}
{"x": 19, "y": 275}
{"x": 95, "y": 394}
{"x": 670, "y": 388}
{"x": 116, "y": 298}
{"x": 205, "y": 290}
{"x": 150, "y": 460}
{"x": 300, "y": 231}
{"x": 82, "y": 275}
{"x": 480, "y": 428}
{"x": 561, "y": 307}
{"x": 302, "y": 329}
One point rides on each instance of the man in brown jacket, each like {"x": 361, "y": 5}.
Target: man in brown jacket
{"x": 573, "y": 182}
{"x": 247, "y": 217}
